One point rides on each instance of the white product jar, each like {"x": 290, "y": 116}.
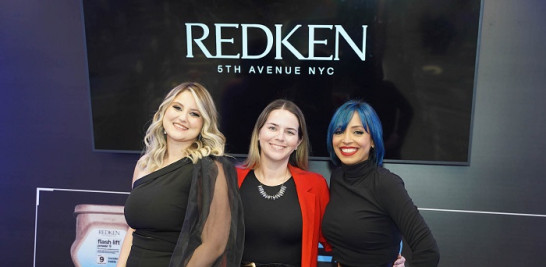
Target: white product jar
{"x": 100, "y": 230}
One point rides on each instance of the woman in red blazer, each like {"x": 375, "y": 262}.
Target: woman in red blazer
{"x": 283, "y": 203}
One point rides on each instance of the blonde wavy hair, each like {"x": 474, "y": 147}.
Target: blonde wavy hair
{"x": 209, "y": 142}
{"x": 299, "y": 158}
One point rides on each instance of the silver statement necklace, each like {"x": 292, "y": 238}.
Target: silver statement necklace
{"x": 272, "y": 197}
{"x": 265, "y": 195}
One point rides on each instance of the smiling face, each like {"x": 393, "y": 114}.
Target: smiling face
{"x": 353, "y": 145}
{"x": 279, "y": 137}
{"x": 182, "y": 120}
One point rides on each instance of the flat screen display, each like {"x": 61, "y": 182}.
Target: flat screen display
{"x": 414, "y": 61}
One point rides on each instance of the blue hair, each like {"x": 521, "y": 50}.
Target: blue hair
{"x": 371, "y": 124}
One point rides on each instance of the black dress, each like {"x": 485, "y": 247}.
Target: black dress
{"x": 168, "y": 209}
{"x": 155, "y": 209}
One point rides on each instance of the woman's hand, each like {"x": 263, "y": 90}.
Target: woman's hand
{"x": 399, "y": 261}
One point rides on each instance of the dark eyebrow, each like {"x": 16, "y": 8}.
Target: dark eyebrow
{"x": 274, "y": 124}
{"x": 191, "y": 109}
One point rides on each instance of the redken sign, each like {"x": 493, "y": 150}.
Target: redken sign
{"x": 413, "y": 61}
{"x": 276, "y": 39}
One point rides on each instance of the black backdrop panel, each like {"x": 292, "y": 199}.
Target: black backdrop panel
{"x": 413, "y": 61}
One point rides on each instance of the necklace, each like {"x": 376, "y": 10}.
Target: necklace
{"x": 273, "y": 197}
{"x": 264, "y": 194}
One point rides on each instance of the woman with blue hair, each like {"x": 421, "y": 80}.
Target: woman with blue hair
{"x": 369, "y": 209}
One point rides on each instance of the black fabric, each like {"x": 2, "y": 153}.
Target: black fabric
{"x": 273, "y": 227}
{"x": 368, "y": 212}
{"x": 169, "y": 207}
{"x": 155, "y": 209}
{"x": 203, "y": 183}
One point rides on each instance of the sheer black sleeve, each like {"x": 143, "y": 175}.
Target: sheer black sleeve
{"x": 213, "y": 229}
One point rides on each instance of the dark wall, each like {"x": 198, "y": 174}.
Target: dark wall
{"x": 45, "y": 136}
{"x": 45, "y": 129}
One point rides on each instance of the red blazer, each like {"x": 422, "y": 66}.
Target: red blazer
{"x": 313, "y": 195}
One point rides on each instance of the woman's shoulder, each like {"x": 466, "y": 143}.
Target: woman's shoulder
{"x": 308, "y": 175}
{"x": 388, "y": 177}
{"x": 385, "y": 172}
{"x": 299, "y": 171}
{"x": 242, "y": 169}
{"x": 218, "y": 159}
{"x": 139, "y": 172}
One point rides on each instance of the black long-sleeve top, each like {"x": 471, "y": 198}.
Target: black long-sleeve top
{"x": 368, "y": 213}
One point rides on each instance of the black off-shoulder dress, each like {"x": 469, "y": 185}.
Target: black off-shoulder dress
{"x": 168, "y": 209}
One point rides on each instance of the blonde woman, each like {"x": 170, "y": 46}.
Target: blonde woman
{"x": 184, "y": 208}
